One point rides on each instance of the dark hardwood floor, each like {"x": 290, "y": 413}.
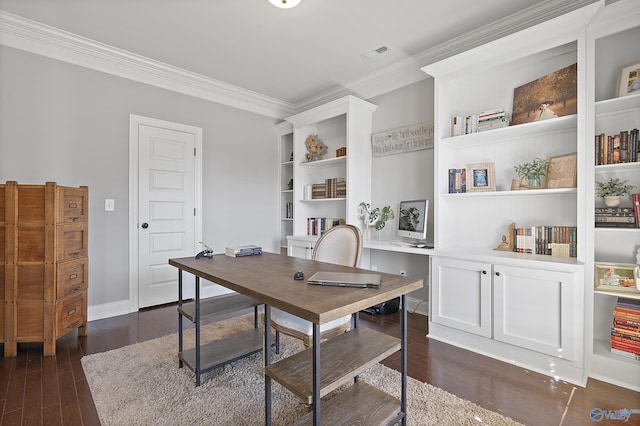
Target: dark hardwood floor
{"x": 38, "y": 390}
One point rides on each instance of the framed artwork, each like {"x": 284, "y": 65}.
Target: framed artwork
{"x": 629, "y": 79}
{"x": 617, "y": 277}
{"x": 554, "y": 95}
{"x": 481, "y": 177}
{"x": 562, "y": 171}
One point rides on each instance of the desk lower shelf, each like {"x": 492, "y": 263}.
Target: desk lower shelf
{"x": 360, "y": 404}
{"x": 223, "y": 351}
{"x": 341, "y": 359}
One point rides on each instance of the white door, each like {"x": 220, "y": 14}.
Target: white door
{"x": 165, "y": 222}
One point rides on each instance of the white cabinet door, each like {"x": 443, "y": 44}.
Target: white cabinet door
{"x": 299, "y": 248}
{"x": 534, "y": 309}
{"x": 461, "y": 295}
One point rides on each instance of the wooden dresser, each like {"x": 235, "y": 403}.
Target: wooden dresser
{"x": 43, "y": 263}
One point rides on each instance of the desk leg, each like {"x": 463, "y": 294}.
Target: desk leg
{"x": 180, "y": 329}
{"x": 197, "y": 330}
{"x": 316, "y": 374}
{"x": 266, "y": 350}
{"x": 403, "y": 361}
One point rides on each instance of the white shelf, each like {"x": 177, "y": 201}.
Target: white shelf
{"x": 519, "y": 193}
{"x": 617, "y": 105}
{"x": 322, "y": 200}
{"x": 325, "y": 162}
{"x": 619, "y": 294}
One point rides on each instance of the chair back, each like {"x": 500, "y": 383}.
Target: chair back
{"x": 341, "y": 244}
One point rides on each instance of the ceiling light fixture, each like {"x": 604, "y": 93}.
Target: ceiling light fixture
{"x": 285, "y": 4}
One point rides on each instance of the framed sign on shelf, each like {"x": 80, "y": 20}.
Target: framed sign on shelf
{"x": 629, "y": 79}
{"x": 562, "y": 171}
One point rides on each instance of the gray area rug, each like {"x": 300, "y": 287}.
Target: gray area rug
{"x": 141, "y": 384}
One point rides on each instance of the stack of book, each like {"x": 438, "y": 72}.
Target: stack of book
{"x": 620, "y": 148}
{"x": 486, "y": 120}
{"x": 625, "y": 332}
{"x": 549, "y": 240}
{"x": 457, "y": 181}
{"x": 320, "y": 225}
{"x": 620, "y": 217}
{"x": 240, "y": 251}
{"x": 332, "y": 186}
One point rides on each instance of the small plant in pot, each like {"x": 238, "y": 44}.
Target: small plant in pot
{"x": 532, "y": 171}
{"x": 376, "y": 217}
{"x": 612, "y": 189}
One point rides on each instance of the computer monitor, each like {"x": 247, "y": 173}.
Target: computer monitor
{"x": 412, "y": 219}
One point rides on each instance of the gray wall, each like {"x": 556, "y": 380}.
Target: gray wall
{"x": 405, "y": 176}
{"x": 68, "y": 124}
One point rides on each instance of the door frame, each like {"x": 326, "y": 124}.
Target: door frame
{"x": 134, "y": 122}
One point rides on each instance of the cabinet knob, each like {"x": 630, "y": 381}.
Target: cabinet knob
{"x": 484, "y": 272}
{"x": 145, "y": 225}
{"x": 497, "y": 274}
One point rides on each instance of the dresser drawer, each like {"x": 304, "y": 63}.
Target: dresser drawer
{"x": 72, "y": 240}
{"x": 72, "y": 204}
{"x": 72, "y": 277}
{"x": 71, "y": 313}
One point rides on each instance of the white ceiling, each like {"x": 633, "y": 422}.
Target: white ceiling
{"x": 290, "y": 55}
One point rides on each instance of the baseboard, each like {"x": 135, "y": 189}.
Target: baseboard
{"x": 108, "y": 310}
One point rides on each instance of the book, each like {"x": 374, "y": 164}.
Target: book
{"x": 625, "y": 354}
{"x": 239, "y": 251}
{"x": 635, "y": 199}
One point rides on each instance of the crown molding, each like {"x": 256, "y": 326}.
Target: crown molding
{"x": 34, "y": 37}
{"x": 408, "y": 71}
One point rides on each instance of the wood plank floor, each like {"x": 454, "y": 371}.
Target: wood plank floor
{"x": 38, "y": 390}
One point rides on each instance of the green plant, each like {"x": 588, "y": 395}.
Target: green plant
{"x": 377, "y": 216}
{"x": 535, "y": 167}
{"x": 614, "y": 186}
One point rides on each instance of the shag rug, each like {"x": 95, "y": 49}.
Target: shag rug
{"x": 141, "y": 384}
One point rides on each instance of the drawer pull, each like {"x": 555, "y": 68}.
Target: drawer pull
{"x": 73, "y": 205}
{"x": 71, "y": 312}
{"x": 73, "y": 276}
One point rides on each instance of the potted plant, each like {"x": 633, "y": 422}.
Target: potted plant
{"x": 376, "y": 217}
{"x": 532, "y": 171}
{"x": 612, "y": 190}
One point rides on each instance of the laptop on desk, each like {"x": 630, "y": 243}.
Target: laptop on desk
{"x": 346, "y": 279}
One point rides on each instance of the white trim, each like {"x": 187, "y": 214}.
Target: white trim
{"x": 34, "y": 37}
{"x": 107, "y": 310}
{"x": 134, "y": 122}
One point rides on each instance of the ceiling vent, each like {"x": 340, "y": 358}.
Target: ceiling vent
{"x": 375, "y": 52}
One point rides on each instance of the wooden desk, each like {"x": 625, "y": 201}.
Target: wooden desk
{"x": 268, "y": 278}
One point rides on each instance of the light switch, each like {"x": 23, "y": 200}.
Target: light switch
{"x": 109, "y": 205}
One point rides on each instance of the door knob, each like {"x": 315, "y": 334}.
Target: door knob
{"x": 145, "y": 225}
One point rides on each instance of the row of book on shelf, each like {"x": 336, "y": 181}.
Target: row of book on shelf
{"x": 625, "y": 330}
{"x": 619, "y": 148}
{"x": 457, "y": 181}
{"x": 619, "y": 217}
{"x": 320, "y": 225}
{"x": 331, "y": 188}
{"x": 289, "y": 212}
{"x": 486, "y": 120}
{"x": 549, "y": 240}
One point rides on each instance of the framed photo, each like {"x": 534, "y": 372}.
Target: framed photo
{"x": 554, "y": 95}
{"x": 481, "y": 177}
{"x": 617, "y": 277}
{"x": 629, "y": 79}
{"x": 562, "y": 171}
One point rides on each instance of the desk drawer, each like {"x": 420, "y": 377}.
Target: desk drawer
{"x": 71, "y": 313}
{"x": 72, "y": 277}
{"x": 72, "y": 240}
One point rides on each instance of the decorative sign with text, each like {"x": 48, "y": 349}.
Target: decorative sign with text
{"x": 405, "y": 139}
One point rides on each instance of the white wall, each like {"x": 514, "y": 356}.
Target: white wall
{"x": 68, "y": 124}
{"x": 405, "y": 176}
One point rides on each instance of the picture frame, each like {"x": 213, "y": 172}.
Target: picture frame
{"x": 562, "y": 171}
{"x": 629, "y": 79}
{"x": 551, "y": 96}
{"x": 617, "y": 277}
{"x": 481, "y": 177}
